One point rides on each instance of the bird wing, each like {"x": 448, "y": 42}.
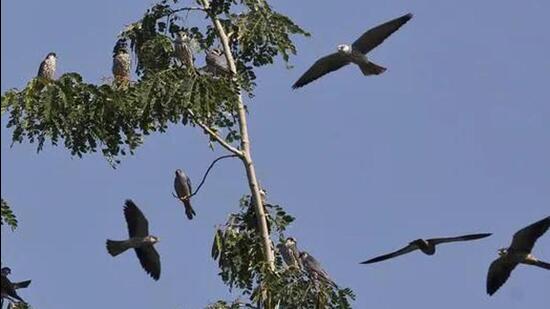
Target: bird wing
{"x": 405, "y": 250}
{"x": 22, "y": 284}
{"x": 138, "y": 226}
{"x": 524, "y": 239}
{"x": 443, "y": 240}
{"x": 9, "y": 289}
{"x": 499, "y": 271}
{"x": 375, "y": 36}
{"x": 149, "y": 260}
{"x": 321, "y": 67}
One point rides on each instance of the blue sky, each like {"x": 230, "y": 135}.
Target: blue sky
{"x": 454, "y": 138}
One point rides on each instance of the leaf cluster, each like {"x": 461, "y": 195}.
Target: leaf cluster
{"x": 8, "y": 216}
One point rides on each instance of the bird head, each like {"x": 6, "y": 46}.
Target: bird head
{"x": 6, "y": 271}
{"x": 182, "y": 36}
{"x": 344, "y": 48}
{"x": 51, "y": 55}
{"x": 290, "y": 241}
{"x": 502, "y": 251}
{"x": 303, "y": 255}
{"x": 120, "y": 47}
{"x": 216, "y": 51}
{"x": 152, "y": 239}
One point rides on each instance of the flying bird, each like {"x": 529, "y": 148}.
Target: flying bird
{"x": 519, "y": 252}
{"x": 426, "y": 246}
{"x": 7, "y": 289}
{"x": 354, "y": 53}
{"x": 6, "y": 271}
{"x": 183, "y": 50}
{"x": 47, "y": 67}
{"x": 216, "y": 63}
{"x": 140, "y": 240}
{"x": 314, "y": 269}
{"x": 121, "y": 63}
{"x": 289, "y": 252}
{"x": 182, "y": 185}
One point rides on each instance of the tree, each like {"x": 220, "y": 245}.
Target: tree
{"x": 114, "y": 118}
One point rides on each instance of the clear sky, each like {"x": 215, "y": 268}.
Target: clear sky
{"x": 454, "y": 138}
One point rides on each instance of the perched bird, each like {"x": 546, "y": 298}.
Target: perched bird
{"x": 182, "y": 185}
{"x": 314, "y": 269}
{"x": 216, "y": 63}
{"x": 354, "y": 53}
{"x": 6, "y": 271}
{"x": 121, "y": 63}
{"x": 426, "y": 246}
{"x": 7, "y": 290}
{"x": 519, "y": 252}
{"x": 289, "y": 252}
{"x": 140, "y": 240}
{"x": 183, "y": 50}
{"x": 47, "y": 67}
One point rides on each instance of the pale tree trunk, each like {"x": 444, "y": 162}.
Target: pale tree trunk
{"x": 246, "y": 156}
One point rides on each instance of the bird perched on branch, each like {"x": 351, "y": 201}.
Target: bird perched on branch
{"x": 426, "y": 246}
{"x": 47, "y": 67}
{"x": 182, "y": 185}
{"x": 8, "y": 288}
{"x": 519, "y": 252}
{"x": 140, "y": 240}
{"x": 183, "y": 49}
{"x": 289, "y": 252}
{"x": 216, "y": 63}
{"x": 314, "y": 269}
{"x": 121, "y": 63}
{"x": 354, "y": 53}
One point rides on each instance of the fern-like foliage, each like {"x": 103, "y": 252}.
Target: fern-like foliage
{"x": 7, "y": 216}
{"x": 237, "y": 248}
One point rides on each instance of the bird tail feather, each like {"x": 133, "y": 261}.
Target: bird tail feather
{"x": 116, "y": 247}
{"x": 370, "y": 68}
{"x": 189, "y": 211}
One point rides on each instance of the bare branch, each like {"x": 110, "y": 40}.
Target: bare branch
{"x": 215, "y": 136}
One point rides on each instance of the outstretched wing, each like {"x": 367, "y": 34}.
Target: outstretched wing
{"x": 22, "y": 284}
{"x": 149, "y": 260}
{"x": 375, "y": 36}
{"x": 137, "y": 223}
{"x": 321, "y": 67}
{"x": 499, "y": 272}
{"x": 443, "y": 240}
{"x": 405, "y": 250}
{"x": 524, "y": 239}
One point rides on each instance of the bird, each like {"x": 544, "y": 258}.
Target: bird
{"x": 183, "y": 50}
{"x": 289, "y": 252}
{"x": 47, "y": 67}
{"x": 182, "y": 185}
{"x": 216, "y": 63}
{"x": 426, "y": 246}
{"x": 314, "y": 269}
{"x": 7, "y": 289}
{"x": 121, "y": 63}
{"x": 140, "y": 240}
{"x": 354, "y": 53}
{"x": 519, "y": 252}
{"x": 6, "y": 271}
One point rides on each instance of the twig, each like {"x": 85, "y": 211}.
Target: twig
{"x": 204, "y": 178}
{"x": 214, "y": 135}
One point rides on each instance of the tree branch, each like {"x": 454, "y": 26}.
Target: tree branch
{"x": 245, "y": 146}
{"x": 215, "y": 136}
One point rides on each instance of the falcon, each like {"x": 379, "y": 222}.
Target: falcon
{"x": 289, "y": 252}
{"x": 7, "y": 289}
{"x": 426, "y": 246}
{"x": 140, "y": 240}
{"x": 121, "y": 63}
{"x": 354, "y": 53}
{"x": 6, "y": 271}
{"x": 216, "y": 63}
{"x": 47, "y": 67}
{"x": 314, "y": 269}
{"x": 182, "y": 47}
{"x": 519, "y": 252}
{"x": 182, "y": 185}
